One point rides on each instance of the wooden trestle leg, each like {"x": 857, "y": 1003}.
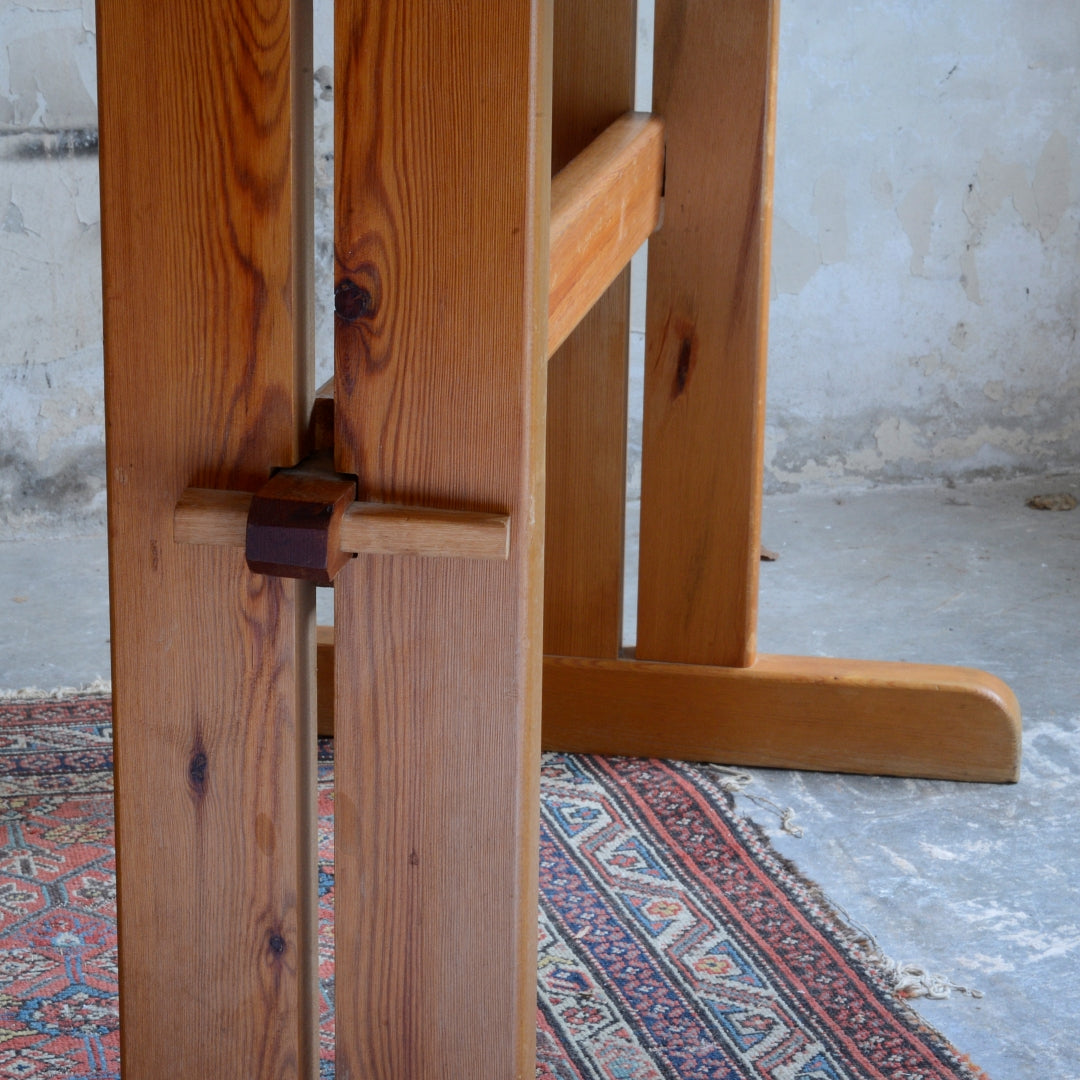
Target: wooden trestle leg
{"x": 697, "y": 688}
{"x": 714, "y": 81}
{"x": 442, "y": 181}
{"x": 205, "y": 116}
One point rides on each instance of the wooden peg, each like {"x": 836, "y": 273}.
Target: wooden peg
{"x": 209, "y": 516}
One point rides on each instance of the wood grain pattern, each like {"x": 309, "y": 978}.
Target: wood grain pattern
{"x": 207, "y": 516}
{"x": 442, "y": 189}
{"x": 789, "y": 712}
{"x": 378, "y": 529}
{"x": 205, "y": 111}
{"x": 604, "y": 206}
{"x": 587, "y": 378}
{"x": 210, "y": 516}
{"x": 702, "y": 439}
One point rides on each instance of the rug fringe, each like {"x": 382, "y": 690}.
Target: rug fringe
{"x": 914, "y": 981}
{"x": 97, "y": 688}
{"x": 906, "y": 980}
{"x": 736, "y": 781}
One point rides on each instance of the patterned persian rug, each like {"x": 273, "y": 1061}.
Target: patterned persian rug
{"x": 674, "y": 943}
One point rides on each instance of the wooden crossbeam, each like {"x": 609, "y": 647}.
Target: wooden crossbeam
{"x": 604, "y": 205}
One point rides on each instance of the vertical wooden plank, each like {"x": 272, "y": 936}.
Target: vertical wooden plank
{"x": 205, "y": 112}
{"x": 593, "y": 84}
{"x": 442, "y": 177}
{"x": 702, "y": 443}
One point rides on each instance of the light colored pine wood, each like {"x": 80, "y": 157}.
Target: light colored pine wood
{"x": 376, "y": 529}
{"x": 587, "y": 377}
{"x": 441, "y": 205}
{"x": 206, "y": 516}
{"x": 604, "y": 206}
{"x": 210, "y": 516}
{"x": 702, "y": 440}
{"x": 205, "y": 114}
{"x": 789, "y": 712}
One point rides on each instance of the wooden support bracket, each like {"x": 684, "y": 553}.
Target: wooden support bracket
{"x": 784, "y": 712}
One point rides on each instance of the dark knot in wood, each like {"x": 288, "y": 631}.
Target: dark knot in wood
{"x": 197, "y": 769}
{"x": 683, "y": 367}
{"x": 353, "y": 302}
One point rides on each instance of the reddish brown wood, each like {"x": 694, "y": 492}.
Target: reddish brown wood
{"x": 324, "y": 669}
{"x": 294, "y": 525}
{"x": 321, "y": 428}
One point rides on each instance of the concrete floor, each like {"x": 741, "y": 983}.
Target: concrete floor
{"x": 979, "y": 883}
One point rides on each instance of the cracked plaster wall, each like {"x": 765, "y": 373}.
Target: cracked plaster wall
{"x": 926, "y": 278}
{"x": 52, "y": 462}
{"x": 926, "y": 265}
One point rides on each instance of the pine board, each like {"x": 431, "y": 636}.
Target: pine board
{"x": 703, "y": 429}
{"x": 442, "y": 175}
{"x": 206, "y": 289}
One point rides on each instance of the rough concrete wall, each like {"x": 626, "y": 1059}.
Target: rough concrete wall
{"x": 51, "y": 415}
{"x": 324, "y": 190}
{"x": 926, "y": 286}
{"x": 926, "y": 280}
